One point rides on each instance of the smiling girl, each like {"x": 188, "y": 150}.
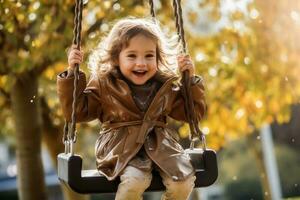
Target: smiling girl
{"x": 132, "y": 91}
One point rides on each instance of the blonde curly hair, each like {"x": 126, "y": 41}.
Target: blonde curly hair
{"x": 104, "y": 58}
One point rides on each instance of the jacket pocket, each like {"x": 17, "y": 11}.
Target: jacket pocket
{"x": 102, "y": 142}
{"x": 109, "y": 145}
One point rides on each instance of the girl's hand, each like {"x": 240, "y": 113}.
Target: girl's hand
{"x": 75, "y": 56}
{"x": 185, "y": 63}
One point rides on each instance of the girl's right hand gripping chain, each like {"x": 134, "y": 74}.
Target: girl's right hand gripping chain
{"x": 75, "y": 56}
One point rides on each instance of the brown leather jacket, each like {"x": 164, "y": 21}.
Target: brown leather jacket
{"x": 125, "y": 129}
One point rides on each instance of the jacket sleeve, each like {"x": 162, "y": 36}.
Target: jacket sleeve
{"x": 88, "y": 97}
{"x": 197, "y": 91}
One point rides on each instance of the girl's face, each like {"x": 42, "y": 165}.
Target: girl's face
{"x": 138, "y": 62}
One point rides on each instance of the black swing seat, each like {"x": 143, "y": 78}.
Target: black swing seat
{"x": 91, "y": 181}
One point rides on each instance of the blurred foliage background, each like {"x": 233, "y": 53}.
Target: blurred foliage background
{"x": 246, "y": 50}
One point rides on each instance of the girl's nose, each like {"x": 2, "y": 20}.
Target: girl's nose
{"x": 141, "y": 62}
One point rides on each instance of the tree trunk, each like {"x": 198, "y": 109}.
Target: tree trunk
{"x": 261, "y": 167}
{"x": 52, "y": 138}
{"x": 25, "y": 104}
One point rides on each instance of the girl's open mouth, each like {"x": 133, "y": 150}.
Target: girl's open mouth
{"x": 139, "y": 73}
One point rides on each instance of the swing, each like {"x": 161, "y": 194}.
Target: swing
{"x": 91, "y": 181}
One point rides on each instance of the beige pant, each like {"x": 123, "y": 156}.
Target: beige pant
{"x": 134, "y": 182}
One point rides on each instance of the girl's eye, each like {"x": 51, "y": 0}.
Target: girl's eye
{"x": 131, "y": 56}
{"x": 149, "y": 56}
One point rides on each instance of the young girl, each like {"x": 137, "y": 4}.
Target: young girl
{"x": 131, "y": 92}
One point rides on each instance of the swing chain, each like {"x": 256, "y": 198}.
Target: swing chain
{"x": 193, "y": 121}
{"x": 70, "y": 135}
{"x": 152, "y": 11}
